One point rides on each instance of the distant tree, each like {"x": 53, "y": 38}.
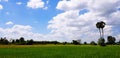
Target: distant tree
{"x": 101, "y": 42}
{"x": 85, "y": 43}
{"x": 1, "y": 40}
{"x": 4, "y": 41}
{"x": 100, "y": 25}
{"x": 22, "y": 41}
{"x": 93, "y": 43}
{"x": 55, "y": 42}
{"x": 75, "y": 42}
{"x": 30, "y": 42}
{"x": 17, "y": 41}
{"x": 13, "y": 41}
{"x": 111, "y": 40}
{"x": 64, "y": 43}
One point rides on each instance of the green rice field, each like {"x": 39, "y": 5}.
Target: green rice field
{"x": 58, "y": 51}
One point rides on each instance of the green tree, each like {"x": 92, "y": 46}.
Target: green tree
{"x": 76, "y": 42}
{"x": 101, "y": 41}
{"x": 4, "y": 41}
{"x": 21, "y": 41}
{"x": 93, "y": 43}
{"x": 64, "y": 43}
{"x": 100, "y": 25}
{"x": 85, "y": 43}
{"x": 30, "y": 42}
{"x": 111, "y": 40}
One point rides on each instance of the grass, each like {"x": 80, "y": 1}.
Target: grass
{"x": 58, "y": 51}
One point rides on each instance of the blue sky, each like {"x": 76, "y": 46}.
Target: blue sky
{"x": 61, "y": 20}
{"x": 21, "y": 14}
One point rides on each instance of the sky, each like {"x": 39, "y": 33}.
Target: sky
{"x": 59, "y": 20}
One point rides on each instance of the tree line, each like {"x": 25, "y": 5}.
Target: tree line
{"x": 21, "y": 41}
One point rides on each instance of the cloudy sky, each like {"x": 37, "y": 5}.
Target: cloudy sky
{"x": 61, "y": 20}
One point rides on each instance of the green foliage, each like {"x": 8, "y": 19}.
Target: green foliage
{"x": 101, "y": 42}
{"x": 29, "y": 42}
{"x": 65, "y": 51}
{"x": 111, "y": 40}
{"x": 4, "y": 41}
{"x": 85, "y": 43}
{"x": 76, "y": 42}
{"x": 64, "y": 43}
{"x": 93, "y": 43}
{"x": 100, "y": 25}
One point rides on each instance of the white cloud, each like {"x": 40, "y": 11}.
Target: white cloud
{"x": 18, "y": 3}
{"x": 72, "y": 4}
{"x": 35, "y": 4}
{"x": 17, "y": 31}
{"x": 92, "y": 5}
{"x": 1, "y": 7}
{"x": 9, "y": 23}
{"x": 72, "y": 25}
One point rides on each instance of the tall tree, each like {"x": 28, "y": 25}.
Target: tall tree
{"x": 100, "y": 25}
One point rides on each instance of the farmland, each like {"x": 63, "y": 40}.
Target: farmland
{"x": 59, "y": 51}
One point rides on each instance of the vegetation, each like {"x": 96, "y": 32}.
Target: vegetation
{"x": 93, "y": 43}
{"x": 111, "y": 40}
{"x": 76, "y": 42}
{"x": 58, "y": 51}
{"x": 100, "y": 25}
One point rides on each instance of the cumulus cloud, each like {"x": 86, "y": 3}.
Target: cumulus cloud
{"x": 17, "y": 31}
{"x": 1, "y": 7}
{"x": 9, "y": 23}
{"x": 72, "y": 25}
{"x": 35, "y": 4}
{"x": 71, "y": 4}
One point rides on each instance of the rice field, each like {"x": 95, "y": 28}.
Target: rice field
{"x": 58, "y": 51}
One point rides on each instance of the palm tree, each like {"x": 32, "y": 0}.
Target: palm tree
{"x": 102, "y": 25}
{"x": 98, "y": 26}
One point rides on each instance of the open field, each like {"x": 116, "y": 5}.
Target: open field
{"x": 58, "y": 51}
